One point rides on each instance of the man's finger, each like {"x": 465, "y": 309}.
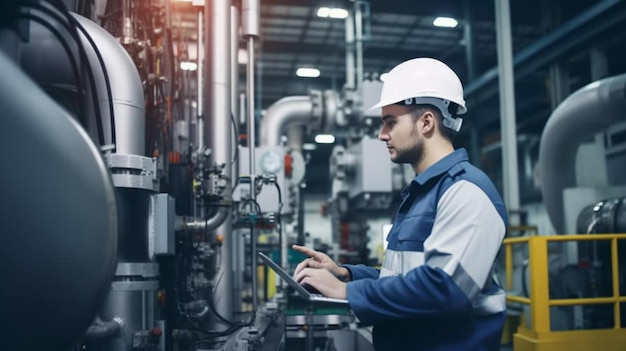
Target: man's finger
{"x": 307, "y": 251}
{"x": 300, "y": 267}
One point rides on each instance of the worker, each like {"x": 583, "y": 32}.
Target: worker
{"x": 436, "y": 288}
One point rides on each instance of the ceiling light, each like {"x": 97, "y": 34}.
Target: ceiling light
{"x": 188, "y": 66}
{"x": 447, "y": 22}
{"x": 338, "y": 13}
{"x": 324, "y": 139}
{"x": 309, "y": 146}
{"x": 308, "y": 72}
{"x": 323, "y": 12}
{"x": 334, "y": 12}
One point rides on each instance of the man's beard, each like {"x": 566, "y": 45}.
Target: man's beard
{"x": 413, "y": 154}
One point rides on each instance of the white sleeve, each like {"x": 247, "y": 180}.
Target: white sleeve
{"x": 465, "y": 237}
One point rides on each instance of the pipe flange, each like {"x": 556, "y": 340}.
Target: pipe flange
{"x": 133, "y": 171}
{"x": 144, "y": 270}
{"x": 317, "y": 111}
{"x": 141, "y": 285}
{"x": 332, "y": 110}
{"x": 342, "y": 163}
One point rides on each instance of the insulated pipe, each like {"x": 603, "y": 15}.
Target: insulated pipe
{"x": 567, "y": 127}
{"x": 217, "y": 127}
{"x": 283, "y": 113}
{"x": 51, "y": 70}
{"x": 126, "y": 87}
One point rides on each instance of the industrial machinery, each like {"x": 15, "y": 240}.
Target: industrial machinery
{"x": 139, "y": 207}
{"x": 131, "y": 192}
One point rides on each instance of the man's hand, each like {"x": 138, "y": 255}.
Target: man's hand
{"x": 320, "y": 260}
{"x": 323, "y": 281}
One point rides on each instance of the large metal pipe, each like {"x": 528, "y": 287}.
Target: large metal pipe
{"x": 126, "y": 88}
{"x": 566, "y": 128}
{"x": 507, "y": 108}
{"x": 283, "y": 113}
{"x": 217, "y": 97}
{"x": 234, "y": 84}
{"x": 52, "y": 70}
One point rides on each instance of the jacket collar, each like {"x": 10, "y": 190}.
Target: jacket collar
{"x": 444, "y": 165}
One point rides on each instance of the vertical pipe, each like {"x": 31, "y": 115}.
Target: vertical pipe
{"x": 200, "y": 84}
{"x": 234, "y": 85}
{"x": 235, "y": 108}
{"x": 358, "y": 28}
{"x": 350, "y": 84}
{"x": 200, "y": 69}
{"x": 469, "y": 41}
{"x": 217, "y": 97}
{"x": 251, "y": 31}
{"x": 507, "y": 107}
{"x": 242, "y": 108}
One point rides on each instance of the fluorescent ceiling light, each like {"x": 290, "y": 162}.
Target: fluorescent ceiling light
{"x": 334, "y": 12}
{"x": 323, "y": 12}
{"x": 338, "y": 13}
{"x": 309, "y": 146}
{"x": 188, "y": 66}
{"x": 308, "y": 72}
{"x": 324, "y": 139}
{"x": 447, "y": 22}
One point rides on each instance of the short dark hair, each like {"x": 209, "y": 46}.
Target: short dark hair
{"x": 418, "y": 110}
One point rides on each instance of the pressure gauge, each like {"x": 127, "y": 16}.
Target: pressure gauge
{"x": 271, "y": 162}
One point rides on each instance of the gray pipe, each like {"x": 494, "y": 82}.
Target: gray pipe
{"x": 52, "y": 70}
{"x": 605, "y": 102}
{"x": 284, "y": 112}
{"x": 218, "y": 130}
{"x": 234, "y": 83}
{"x": 350, "y": 78}
{"x": 358, "y": 28}
{"x": 126, "y": 87}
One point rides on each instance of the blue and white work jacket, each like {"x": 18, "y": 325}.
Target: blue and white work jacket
{"x": 435, "y": 290}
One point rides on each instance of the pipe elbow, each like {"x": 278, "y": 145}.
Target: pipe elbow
{"x": 218, "y": 219}
{"x": 284, "y": 112}
{"x": 566, "y": 129}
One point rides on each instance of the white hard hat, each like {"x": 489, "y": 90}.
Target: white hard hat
{"x": 424, "y": 81}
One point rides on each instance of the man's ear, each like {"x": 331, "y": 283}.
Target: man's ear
{"x": 427, "y": 122}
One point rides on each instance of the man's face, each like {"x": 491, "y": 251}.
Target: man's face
{"x": 399, "y": 131}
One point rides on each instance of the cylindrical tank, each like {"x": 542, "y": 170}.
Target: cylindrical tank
{"x": 58, "y": 216}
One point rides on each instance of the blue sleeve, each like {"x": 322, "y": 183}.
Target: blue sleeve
{"x": 422, "y": 292}
{"x": 361, "y": 271}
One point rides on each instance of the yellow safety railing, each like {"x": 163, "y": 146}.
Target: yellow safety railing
{"x": 539, "y": 300}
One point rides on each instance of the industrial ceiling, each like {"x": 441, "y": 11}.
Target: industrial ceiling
{"x": 551, "y": 41}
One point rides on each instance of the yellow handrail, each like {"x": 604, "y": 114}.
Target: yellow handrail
{"x": 539, "y": 299}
